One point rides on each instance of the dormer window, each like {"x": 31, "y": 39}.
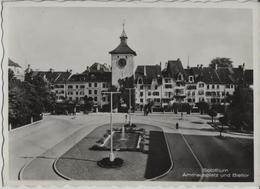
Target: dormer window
{"x": 180, "y": 77}
{"x": 191, "y": 79}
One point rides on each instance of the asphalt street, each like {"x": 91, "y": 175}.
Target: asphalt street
{"x": 197, "y": 151}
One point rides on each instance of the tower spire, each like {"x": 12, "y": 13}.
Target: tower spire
{"x": 123, "y": 36}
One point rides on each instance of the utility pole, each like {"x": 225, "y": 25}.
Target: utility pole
{"x": 129, "y": 111}
{"x": 111, "y": 155}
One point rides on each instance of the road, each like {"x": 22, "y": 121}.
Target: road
{"x": 195, "y": 147}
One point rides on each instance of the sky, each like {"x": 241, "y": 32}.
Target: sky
{"x": 75, "y": 37}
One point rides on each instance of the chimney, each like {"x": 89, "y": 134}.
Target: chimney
{"x": 216, "y": 66}
{"x": 98, "y": 66}
{"x": 51, "y": 70}
{"x": 201, "y": 66}
{"x": 161, "y": 65}
{"x": 166, "y": 64}
{"x": 144, "y": 70}
{"x": 70, "y": 70}
{"x": 243, "y": 66}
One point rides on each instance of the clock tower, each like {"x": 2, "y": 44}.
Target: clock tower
{"x": 122, "y": 60}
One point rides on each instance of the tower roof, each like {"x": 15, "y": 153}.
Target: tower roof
{"x": 123, "y": 48}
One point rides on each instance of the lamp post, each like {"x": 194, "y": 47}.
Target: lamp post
{"x": 129, "y": 89}
{"x": 111, "y": 155}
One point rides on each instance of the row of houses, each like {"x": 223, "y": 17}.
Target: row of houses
{"x": 163, "y": 86}
{"x": 191, "y": 85}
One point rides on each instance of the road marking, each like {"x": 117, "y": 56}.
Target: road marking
{"x": 196, "y": 158}
{"x": 186, "y": 142}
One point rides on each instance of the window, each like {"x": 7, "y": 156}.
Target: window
{"x": 155, "y": 93}
{"x": 81, "y": 92}
{"x": 77, "y": 86}
{"x": 217, "y": 86}
{"x": 149, "y": 93}
{"x": 213, "y": 86}
{"x": 223, "y": 93}
{"x": 188, "y": 93}
{"x": 156, "y": 100}
{"x": 77, "y": 98}
{"x": 82, "y": 86}
{"x": 141, "y": 87}
{"x": 218, "y": 94}
{"x": 167, "y": 80}
{"x": 231, "y": 86}
{"x": 228, "y": 86}
{"x": 141, "y": 94}
{"x": 193, "y": 93}
{"x": 208, "y": 93}
{"x": 201, "y": 92}
{"x": 168, "y": 86}
{"x": 103, "y": 98}
{"x": 149, "y": 87}
{"x": 90, "y": 92}
{"x": 95, "y": 84}
{"x": 70, "y": 98}
{"x": 201, "y": 85}
{"x": 95, "y": 98}
{"x": 104, "y": 85}
{"x": 62, "y": 92}
{"x": 77, "y": 93}
{"x": 207, "y": 86}
{"x": 56, "y": 92}
{"x": 90, "y": 84}
{"x": 95, "y": 91}
{"x": 140, "y": 81}
{"x": 70, "y": 86}
{"x": 141, "y": 100}
{"x": 155, "y": 87}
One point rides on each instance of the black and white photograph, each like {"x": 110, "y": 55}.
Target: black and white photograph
{"x": 129, "y": 93}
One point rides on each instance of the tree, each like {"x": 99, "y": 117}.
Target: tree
{"x": 240, "y": 113}
{"x": 10, "y": 74}
{"x": 221, "y": 62}
{"x": 88, "y": 103}
{"x": 223, "y": 120}
{"x": 212, "y": 113}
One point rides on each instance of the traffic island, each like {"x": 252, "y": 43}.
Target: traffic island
{"x": 83, "y": 163}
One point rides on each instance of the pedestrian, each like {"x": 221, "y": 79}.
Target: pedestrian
{"x": 181, "y": 115}
{"x": 177, "y": 125}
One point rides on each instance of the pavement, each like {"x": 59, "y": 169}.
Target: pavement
{"x": 196, "y": 148}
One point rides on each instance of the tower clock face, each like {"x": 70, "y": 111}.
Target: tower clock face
{"x": 121, "y": 63}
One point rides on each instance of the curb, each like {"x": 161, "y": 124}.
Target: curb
{"x": 25, "y": 126}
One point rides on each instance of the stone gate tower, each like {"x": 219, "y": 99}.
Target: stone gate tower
{"x": 122, "y": 60}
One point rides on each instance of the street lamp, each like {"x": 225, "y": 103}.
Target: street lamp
{"x": 129, "y": 89}
{"x": 111, "y": 155}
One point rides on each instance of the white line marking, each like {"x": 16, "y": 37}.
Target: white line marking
{"x": 198, "y": 161}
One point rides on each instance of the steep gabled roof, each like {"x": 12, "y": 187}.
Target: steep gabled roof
{"x": 91, "y": 77}
{"x": 174, "y": 67}
{"x": 13, "y": 64}
{"x": 148, "y": 72}
{"x": 97, "y": 67}
{"x": 63, "y": 77}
